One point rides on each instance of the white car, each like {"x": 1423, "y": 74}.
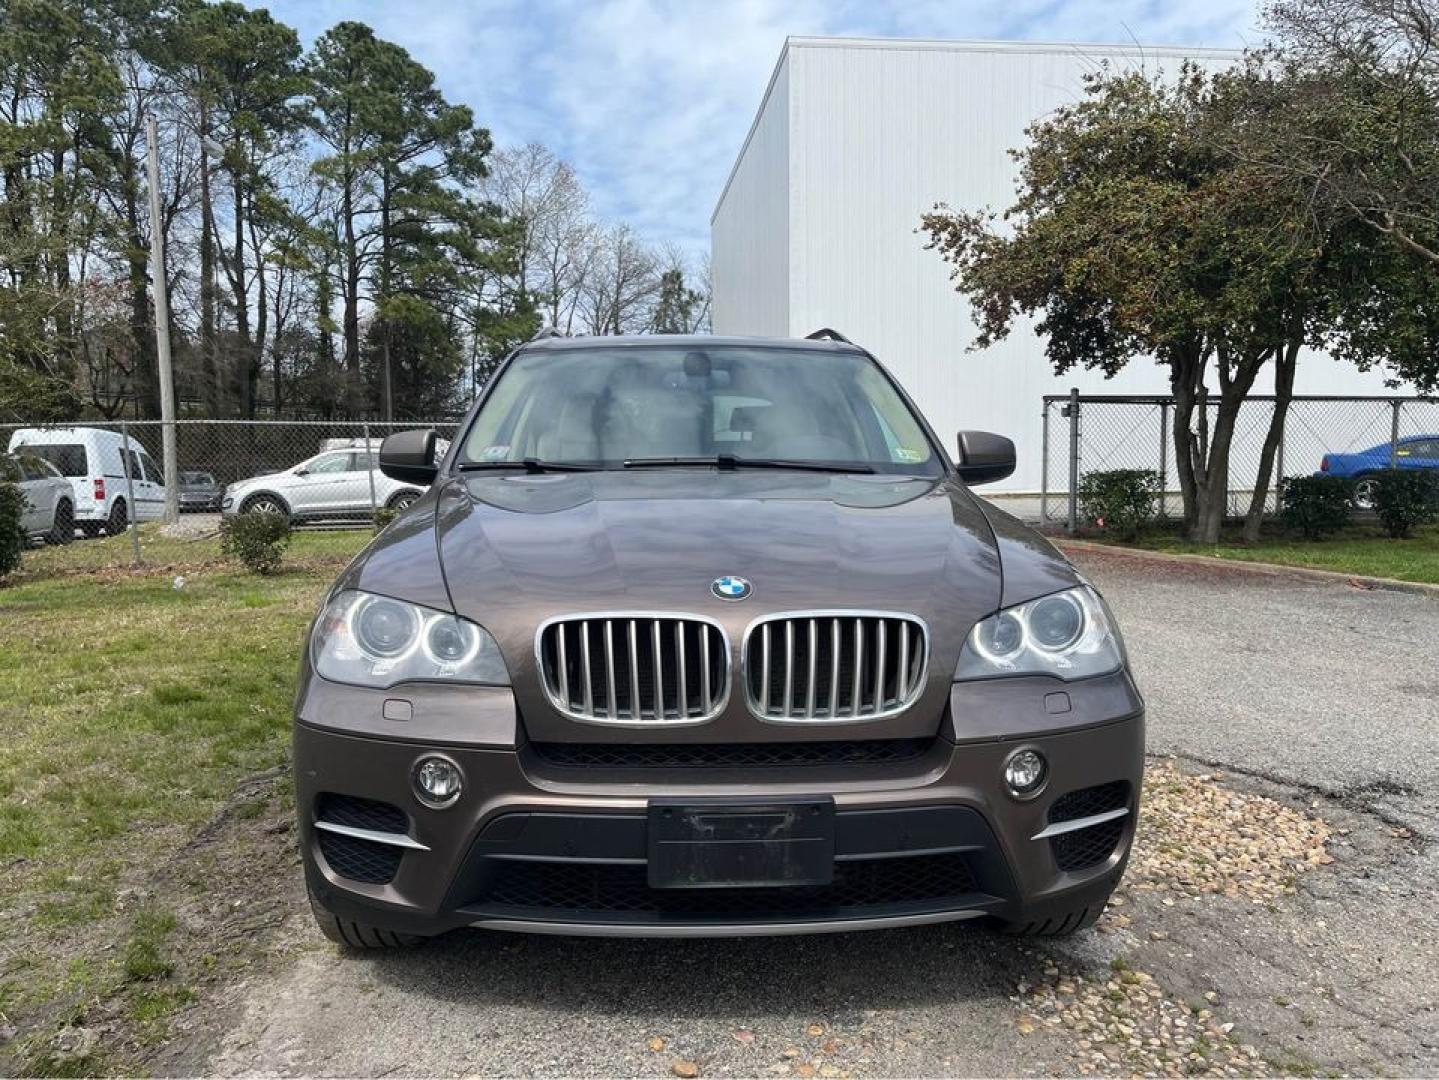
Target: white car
{"x": 93, "y": 460}
{"x": 49, "y": 513}
{"x": 335, "y": 483}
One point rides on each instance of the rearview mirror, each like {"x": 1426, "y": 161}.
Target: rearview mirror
{"x": 409, "y": 456}
{"x": 984, "y": 457}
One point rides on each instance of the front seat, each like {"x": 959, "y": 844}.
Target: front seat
{"x": 571, "y": 435}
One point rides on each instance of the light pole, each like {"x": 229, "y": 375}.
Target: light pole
{"x": 162, "y": 329}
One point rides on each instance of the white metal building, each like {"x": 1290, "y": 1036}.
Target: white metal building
{"x": 854, "y": 140}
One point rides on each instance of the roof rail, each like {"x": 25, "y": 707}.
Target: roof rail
{"x": 547, "y": 332}
{"x": 824, "y": 333}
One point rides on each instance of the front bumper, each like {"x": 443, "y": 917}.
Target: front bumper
{"x": 541, "y": 846}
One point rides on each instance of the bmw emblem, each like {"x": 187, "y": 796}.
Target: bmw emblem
{"x": 730, "y": 587}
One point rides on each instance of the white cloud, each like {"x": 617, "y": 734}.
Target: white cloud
{"x": 650, "y": 99}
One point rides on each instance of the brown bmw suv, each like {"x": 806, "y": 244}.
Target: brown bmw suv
{"x": 708, "y": 636}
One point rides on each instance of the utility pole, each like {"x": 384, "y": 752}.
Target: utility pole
{"x": 162, "y": 329}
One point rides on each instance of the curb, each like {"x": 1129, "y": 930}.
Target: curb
{"x": 1329, "y": 577}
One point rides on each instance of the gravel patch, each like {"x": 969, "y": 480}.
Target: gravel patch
{"x": 1128, "y": 1024}
{"x": 1198, "y": 836}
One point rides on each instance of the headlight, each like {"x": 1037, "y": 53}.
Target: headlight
{"x": 375, "y": 641}
{"x": 1069, "y": 634}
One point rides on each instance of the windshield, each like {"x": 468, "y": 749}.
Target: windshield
{"x": 197, "y": 479}
{"x": 605, "y": 407}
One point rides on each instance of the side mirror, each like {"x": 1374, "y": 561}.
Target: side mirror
{"x": 984, "y": 457}
{"x": 409, "y": 456}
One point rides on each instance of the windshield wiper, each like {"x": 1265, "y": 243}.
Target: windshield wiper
{"x": 730, "y": 461}
{"x": 529, "y": 464}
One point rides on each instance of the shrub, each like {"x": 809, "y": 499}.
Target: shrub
{"x": 1316, "y": 505}
{"x": 383, "y": 516}
{"x": 12, "y": 536}
{"x": 1119, "y": 500}
{"x": 1405, "y": 498}
{"x": 257, "y": 540}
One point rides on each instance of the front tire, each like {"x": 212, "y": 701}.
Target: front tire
{"x": 62, "y": 529}
{"x": 1061, "y": 925}
{"x": 265, "y": 503}
{"x": 356, "y": 935}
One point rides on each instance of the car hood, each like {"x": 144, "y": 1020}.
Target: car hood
{"x": 517, "y": 550}
{"x": 263, "y": 478}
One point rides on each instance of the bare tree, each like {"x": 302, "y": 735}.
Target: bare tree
{"x": 621, "y": 286}
{"x": 558, "y": 246}
{"x": 1366, "y": 133}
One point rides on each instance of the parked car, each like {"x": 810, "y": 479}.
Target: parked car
{"x": 200, "y": 491}
{"x": 94, "y": 461}
{"x": 707, "y": 636}
{"x": 333, "y": 484}
{"x": 49, "y": 503}
{"x": 1413, "y": 452}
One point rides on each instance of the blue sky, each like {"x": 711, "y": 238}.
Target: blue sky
{"x": 649, "y": 100}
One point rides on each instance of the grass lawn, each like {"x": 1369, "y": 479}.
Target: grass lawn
{"x": 1360, "y": 549}
{"x": 131, "y": 710}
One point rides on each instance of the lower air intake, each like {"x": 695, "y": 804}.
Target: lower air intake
{"x": 872, "y": 883}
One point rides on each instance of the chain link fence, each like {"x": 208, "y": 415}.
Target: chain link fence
{"x": 88, "y": 479}
{"x": 1084, "y": 433}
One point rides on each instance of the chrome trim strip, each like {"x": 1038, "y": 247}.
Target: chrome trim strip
{"x": 705, "y": 669}
{"x": 813, "y": 656}
{"x": 589, "y": 675}
{"x": 1059, "y": 828}
{"x": 629, "y": 621}
{"x": 879, "y": 698}
{"x": 658, "y": 682}
{"x": 611, "y": 706}
{"x": 562, "y": 663}
{"x": 637, "y": 708}
{"x": 901, "y": 689}
{"x": 761, "y": 708}
{"x": 394, "y": 839}
{"x": 712, "y": 930}
{"x": 684, "y": 697}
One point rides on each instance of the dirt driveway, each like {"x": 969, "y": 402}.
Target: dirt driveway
{"x": 1279, "y": 916}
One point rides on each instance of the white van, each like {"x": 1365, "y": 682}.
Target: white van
{"x": 93, "y": 460}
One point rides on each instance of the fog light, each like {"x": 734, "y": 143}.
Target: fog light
{"x": 437, "y": 781}
{"x": 1024, "y": 772}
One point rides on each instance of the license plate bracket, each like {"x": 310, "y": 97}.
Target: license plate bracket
{"x": 727, "y": 843}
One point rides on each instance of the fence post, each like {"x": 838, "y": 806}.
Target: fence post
{"x": 1044, "y": 465}
{"x": 1395, "y": 406}
{"x": 1073, "y": 413}
{"x": 1163, "y": 457}
{"x": 1279, "y": 466}
{"x": 134, "y": 514}
{"x": 370, "y": 469}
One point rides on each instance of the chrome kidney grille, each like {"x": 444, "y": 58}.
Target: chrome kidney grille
{"x": 643, "y": 669}
{"x": 834, "y": 666}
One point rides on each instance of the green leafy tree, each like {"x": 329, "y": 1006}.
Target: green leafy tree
{"x": 243, "y": 75}
{"x": 57, "y": 81}
{"x": 1138, "y": 233}
{"x": 677, "y": 304}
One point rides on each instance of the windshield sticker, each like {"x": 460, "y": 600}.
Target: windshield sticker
{"x": 908, "y": 454}
{"x": 497, "y": 452}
